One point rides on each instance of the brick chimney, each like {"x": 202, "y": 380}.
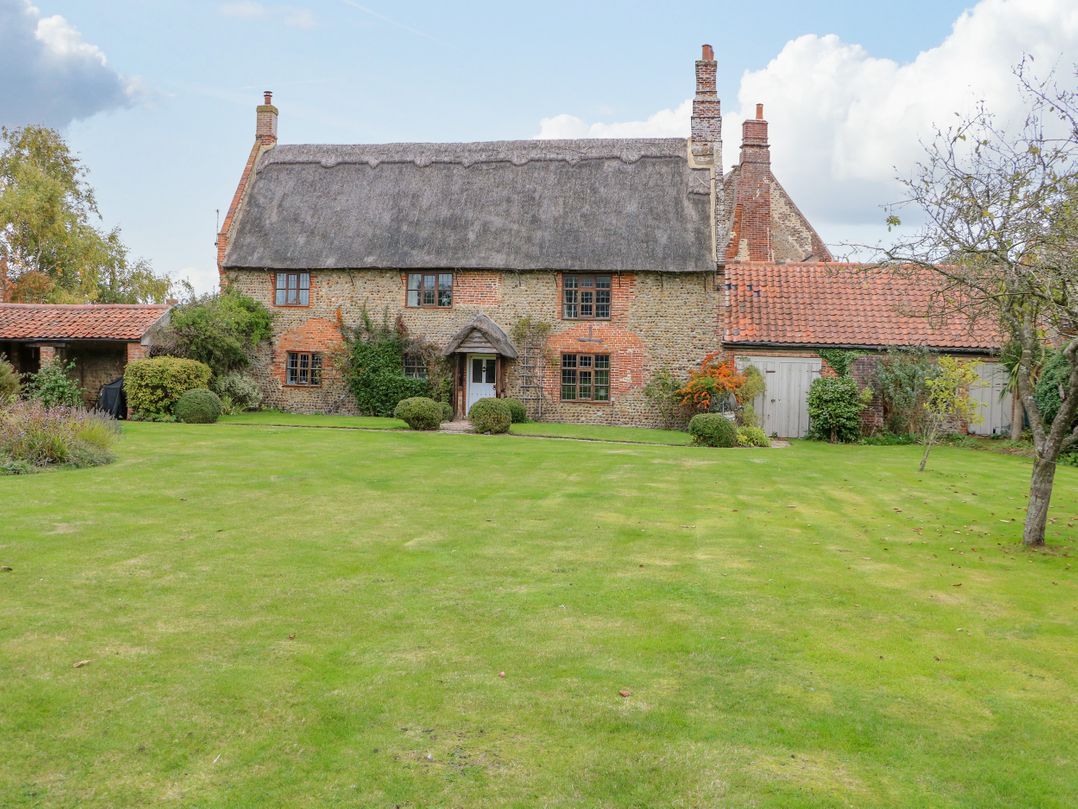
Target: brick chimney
{"x": 751, "y": 236}
{"x": 266, "y": 121}
{"x": 706, "y": 112}
{"x": 265, "y": 138}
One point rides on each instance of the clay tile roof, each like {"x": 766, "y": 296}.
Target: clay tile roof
{"x": 45, "y": 321}
{"x": 834, "y": 304}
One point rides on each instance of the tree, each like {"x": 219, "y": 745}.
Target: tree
{"x": 48, "y": 242}
{"x": 1000, "y": 233}
{"x": 948, "y": 400}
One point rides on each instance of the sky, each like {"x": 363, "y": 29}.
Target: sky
{"x": 158, "y": 97}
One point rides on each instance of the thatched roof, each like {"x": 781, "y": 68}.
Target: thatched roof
{"x": 497, "y": 339}
{"x": 613, "y": 205}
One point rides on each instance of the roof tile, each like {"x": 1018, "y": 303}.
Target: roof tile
{"x": 821, "y": 304}
{"x": 43, "y": 321}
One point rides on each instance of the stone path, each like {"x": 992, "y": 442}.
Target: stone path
{"x": 462, "y": 426}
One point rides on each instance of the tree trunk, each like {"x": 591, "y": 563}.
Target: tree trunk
{"x": 1016, "y": 417}
{"x": 1040, "y": 493}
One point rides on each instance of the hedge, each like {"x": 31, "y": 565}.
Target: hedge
{"x": 153, "y": 386}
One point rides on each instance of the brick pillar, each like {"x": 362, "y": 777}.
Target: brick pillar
{"x": 46, "y": 354}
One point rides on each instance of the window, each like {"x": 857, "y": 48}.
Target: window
{"x": 304, "y": 368}
{"x": 586, "y": 297}
{"x": 432, "y": 290}
{"x": 415, "y": 366}
{"x": 585, "y": 377}
{"x": 292, "y": 289}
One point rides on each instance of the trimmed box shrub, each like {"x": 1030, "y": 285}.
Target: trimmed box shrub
{"x": 752, "y": 437}
{"x": 198, "y": 406}
{"x": 517, "y": 410}
{"x": 712, "y": 430}
{"x": 153, "y": 386}
{"x": 491, "y": 416}
{"x": 419, "y": 412}
{"x": 447, "y": 411}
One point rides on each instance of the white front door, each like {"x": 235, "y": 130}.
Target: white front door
{"x": 482, "y": 370}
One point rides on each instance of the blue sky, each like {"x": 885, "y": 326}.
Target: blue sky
{"x": 158, "y": 97}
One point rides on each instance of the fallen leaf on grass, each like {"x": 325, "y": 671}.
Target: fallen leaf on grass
{"x": 80, "y": 664}
{"x": 625, "y": 692}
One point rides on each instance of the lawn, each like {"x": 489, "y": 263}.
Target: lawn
{"x": 282, "y": 617}
{"x": 601, "y": 432}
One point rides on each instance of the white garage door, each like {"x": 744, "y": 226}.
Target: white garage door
{"x": 783, "y": 407}
{"x": 993, "y": 400}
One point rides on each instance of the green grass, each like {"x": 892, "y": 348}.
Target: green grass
{"x": 600, "y": 432}
{"x": 277, "y": 617}
{"x": 277, "y": 419}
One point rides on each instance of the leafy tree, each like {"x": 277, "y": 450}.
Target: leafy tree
{"x": 220, "y": 330}
{"x": 48, "y": 241}
{"x": 948, "y": 400}
{"x": 1000, "y": 232}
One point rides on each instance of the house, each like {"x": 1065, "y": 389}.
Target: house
{"x": 623, "y": 249}
{"x": 100, "y": 338}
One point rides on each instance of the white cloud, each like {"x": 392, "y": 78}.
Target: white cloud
{"x": 51, "y": 75}
{"x": 668, "y": 123}
{"x": 294, "y": 16}
{"x": 842, "y": 119}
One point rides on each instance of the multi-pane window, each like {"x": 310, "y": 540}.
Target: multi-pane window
{"x": 304, "y": 368}
{"x": 585, "y": 377}
{"x": 585, "y": 297}
{"x": 430, "y": 289}
{"x": 415, "y": 366}
{"x": 292, "y": 289}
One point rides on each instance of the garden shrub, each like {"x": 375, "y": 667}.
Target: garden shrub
{"x": 902, "y": 379}
{"x": 375, "y": 367}
{"x": 219, "y": 330}
{"x": 34, "y": 436}
{"x": 752, "y": 437}
{"x": 447, "y": 411}
{"x": 419, "y": 412}
{"x": 238, "y": 392}
{"x": 663, "y": 392}
{"x": 491, "y": 416}
{"x": 154, "y": 385}
{"x": 834, "y": 405}
{"x": 54, "y": 386}
{"x": 9, "y": 382}
{"x": 712, "y": 430}
{"x": 1053, "y": 380}
{"x": 517, "y": 410}
{"x": 198, "y": 406}
{"x": 713, "y": 384}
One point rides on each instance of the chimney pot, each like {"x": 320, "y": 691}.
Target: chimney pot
{"x": 708, "y": 54}
{"x": 759, "y": 112}
{"x": 269, "y": 96}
